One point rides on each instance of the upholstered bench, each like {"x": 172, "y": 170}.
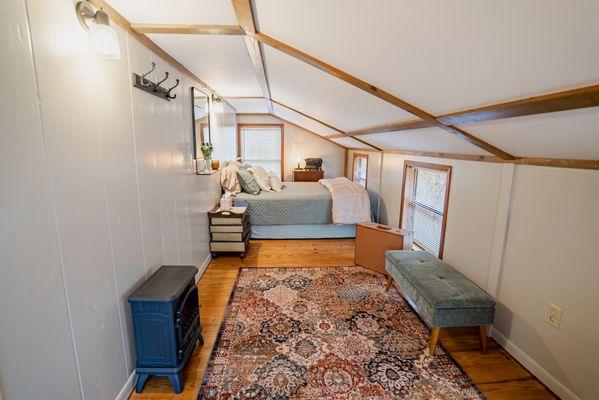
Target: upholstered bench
{"x": 443, "y": 296}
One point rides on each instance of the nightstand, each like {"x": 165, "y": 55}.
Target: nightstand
{"x": 229, "y": 231}
{"x": 307, "y": 175}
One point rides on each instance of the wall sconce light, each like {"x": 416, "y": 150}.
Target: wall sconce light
{"x": 102, "y": 37}
{"x": 219, "y": 107}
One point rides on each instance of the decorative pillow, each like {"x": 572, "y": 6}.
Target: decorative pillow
{"x": 228, "y": 179}
{"x": 247, "y": 181}
{"x": 275, "y": 182}
{"x": 261, "y": 177}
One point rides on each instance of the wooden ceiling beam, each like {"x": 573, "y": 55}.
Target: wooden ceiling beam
{"x": 340, "y": 134}
{"x": 178, "y": 29}
{"x": 574, "y": 99}
{"x": 381, "y": 94}
{"x": 560, "y": 101}
{"x": 245, "y": 17}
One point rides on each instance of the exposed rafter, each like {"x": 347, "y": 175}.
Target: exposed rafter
{"x": 560, "y": 101}
{"x": 381, "y": 94}
{"x": 342, "y": 133}
{"x": 177, "y": 29}
{"x": 245, "y": 17}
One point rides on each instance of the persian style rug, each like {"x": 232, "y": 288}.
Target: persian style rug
{"x": 326, "y": 333}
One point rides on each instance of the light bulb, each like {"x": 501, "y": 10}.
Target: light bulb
{"x": 104, "y": 41}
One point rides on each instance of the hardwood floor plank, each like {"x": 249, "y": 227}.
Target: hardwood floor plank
{"x": 497, "y": 374}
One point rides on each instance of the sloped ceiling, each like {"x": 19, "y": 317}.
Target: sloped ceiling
{"x": 440, "y": 56}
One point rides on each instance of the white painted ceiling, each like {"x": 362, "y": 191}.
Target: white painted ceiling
{"x": 252, "y": 105}
{"x": 427, "y": 139}
{"x": 216, "y": 12}
{"x": 220, "y": 61}
{"x": 351, "y": 143}
{"x": 441, "y": 56}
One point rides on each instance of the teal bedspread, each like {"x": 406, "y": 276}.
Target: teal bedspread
{"x": 297, "y": 203}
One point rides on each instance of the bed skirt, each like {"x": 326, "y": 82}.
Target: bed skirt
{"x": 303, "y": 231}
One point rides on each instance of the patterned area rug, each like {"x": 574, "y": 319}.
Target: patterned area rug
{"x": 326, "y": 333}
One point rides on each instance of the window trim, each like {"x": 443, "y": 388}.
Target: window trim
{"x": 438, "y": 167}
{"x": 353, "y": 167}
{"x": 259, "y": 125}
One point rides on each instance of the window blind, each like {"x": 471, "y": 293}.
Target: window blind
{"x": 262, "y": 146}
{"x": 426, "y": 206}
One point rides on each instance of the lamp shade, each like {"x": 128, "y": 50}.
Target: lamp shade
{"x": 104, "y": 41}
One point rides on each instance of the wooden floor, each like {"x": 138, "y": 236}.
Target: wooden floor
{"x": 497, "y": 374}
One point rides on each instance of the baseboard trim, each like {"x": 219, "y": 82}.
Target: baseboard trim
{"x": 128, "y": 388}
{"x": 534, "y": 367}
{"x": 203, "y": 267}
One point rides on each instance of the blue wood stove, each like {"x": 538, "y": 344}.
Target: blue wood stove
{"x": 166, "y": 322}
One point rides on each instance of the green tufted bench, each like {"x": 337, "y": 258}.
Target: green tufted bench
{"x": 443, "y": 296}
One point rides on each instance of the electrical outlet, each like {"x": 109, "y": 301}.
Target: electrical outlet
{"x": 554, "y": 315}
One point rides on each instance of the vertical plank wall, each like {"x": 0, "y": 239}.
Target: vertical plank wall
{"x": 97, "y": 191}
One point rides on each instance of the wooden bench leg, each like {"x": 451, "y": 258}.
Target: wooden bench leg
{"x": 483, "y": 338}
{"x": 389, "y": 282}
{"x": 434, "y": 339}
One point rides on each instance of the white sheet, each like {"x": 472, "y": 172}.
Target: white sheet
{"x": 351, "y": 203}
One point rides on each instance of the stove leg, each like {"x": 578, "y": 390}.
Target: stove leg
{"x": 141, "y": 381}
{"x": 176, "y": 380}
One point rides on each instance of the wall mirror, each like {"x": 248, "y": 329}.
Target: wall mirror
{"x": 200, "y": 106}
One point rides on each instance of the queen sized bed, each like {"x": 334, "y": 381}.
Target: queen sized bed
{"x": 301, "y": 210}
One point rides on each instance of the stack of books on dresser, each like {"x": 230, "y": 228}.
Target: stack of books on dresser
{"x": 229, "y": 231}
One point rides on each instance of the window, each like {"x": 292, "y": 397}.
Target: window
{"x": 360, "y": 171}
{"x": 262, "y": 144}
{"x": 425, "y": 194}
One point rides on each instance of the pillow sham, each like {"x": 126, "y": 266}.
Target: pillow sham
{"x": 228, "y": 179}
{"x": 261, "y": 177}
{"x": 275, "y": 182}
{"x": 247, "y": 181}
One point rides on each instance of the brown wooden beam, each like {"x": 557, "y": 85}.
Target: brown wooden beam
{"x": 381, "y": 94}
{"x": 177, "y": 29}
{"x": 340, "y": 134}
{"x": 560, "y": 101}
{"x": 245, "y": 17}
{"x": 534, "y": 161}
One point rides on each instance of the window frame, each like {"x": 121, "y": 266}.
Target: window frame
{"x": 438, "y": 167}
{"x": 240, "y": 126}
{"x": 353, "y": 169}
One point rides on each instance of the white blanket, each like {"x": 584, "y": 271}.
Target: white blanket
{"x": 351, "y": 203}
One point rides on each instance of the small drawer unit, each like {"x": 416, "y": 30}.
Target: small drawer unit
{"x": 308, "y": 175}
{"x": 229, "y": 231}
{"x": 166, "y": 323}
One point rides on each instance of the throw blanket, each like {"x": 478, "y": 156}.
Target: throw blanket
{"x": 351, "y": 203}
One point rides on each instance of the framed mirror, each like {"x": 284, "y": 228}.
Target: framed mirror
{"x": 200, "y": 106}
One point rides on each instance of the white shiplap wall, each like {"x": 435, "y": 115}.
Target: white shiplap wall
{"x": 97, "y": 190}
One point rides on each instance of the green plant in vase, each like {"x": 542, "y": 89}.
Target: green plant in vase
{"x": 207, "y": 150}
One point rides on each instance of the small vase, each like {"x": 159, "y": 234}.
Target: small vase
{"x": 207, "y": 166}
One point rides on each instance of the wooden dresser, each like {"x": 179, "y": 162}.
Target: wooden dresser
{"x": 307, "y": 175}
{"x": 372, "y": 240}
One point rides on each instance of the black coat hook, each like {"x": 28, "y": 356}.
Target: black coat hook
{"x": 143, "y": 77}
{"x": 168, "y": 93}
{"x": 158, "y": 83}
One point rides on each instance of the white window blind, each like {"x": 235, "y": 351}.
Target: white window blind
{"x": 360, "y": 170}
{"x": 261, "y": 145}
{"x": 425, "y": 193}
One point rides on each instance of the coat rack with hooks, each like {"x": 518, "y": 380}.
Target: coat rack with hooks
{"x": 147, "y": 85}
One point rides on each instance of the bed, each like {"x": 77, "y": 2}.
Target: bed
{"x": 301, "y": 210}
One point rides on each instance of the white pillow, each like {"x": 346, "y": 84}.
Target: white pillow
{"x": 261, "y": 177}
{"x": 275, "y": 182}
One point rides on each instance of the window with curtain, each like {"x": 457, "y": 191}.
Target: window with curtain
{"x": 424, "y": 205}
{"x": 360, "y": 171}
{"x": 262, "y": 145}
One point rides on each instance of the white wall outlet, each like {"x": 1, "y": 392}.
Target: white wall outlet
{"x": 554, "y": 315}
